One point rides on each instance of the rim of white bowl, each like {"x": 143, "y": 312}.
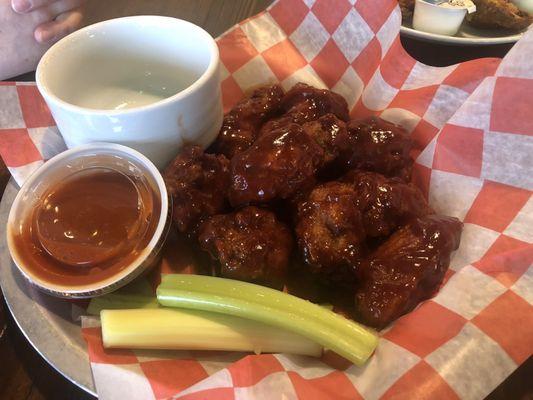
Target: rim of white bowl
{"x": 121, "y": 277}
{"x": 447, "y": 9}
{"x": 211, "y": 69}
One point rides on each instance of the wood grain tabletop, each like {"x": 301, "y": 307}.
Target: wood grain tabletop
{"x": 24, "y": 375}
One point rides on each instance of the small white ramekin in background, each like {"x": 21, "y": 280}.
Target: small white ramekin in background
{"x": 432, "y": 18}
{"x": 88, "y": 78}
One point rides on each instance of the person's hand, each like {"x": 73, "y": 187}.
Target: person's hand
{"x": 54, "y": 18}
{"x": 45, "y": 21}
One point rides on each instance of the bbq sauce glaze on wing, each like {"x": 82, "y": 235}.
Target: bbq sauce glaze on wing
{"x": 336, "y": 220}
{"x": 240, "y": 126}
{"x": 304, "y": 103}
{"x": 277, "y": 166}
{"x": 249, "y": 245}
{"x": 198, "y": 184}
{"x": 379, "y": 146}
{"x": 330, "y": 133}
{"x": 330, "y": 232}
{"x": 385, "y": 203}
{"x": 406, "y": 269}
{"x": 363, "y": 232}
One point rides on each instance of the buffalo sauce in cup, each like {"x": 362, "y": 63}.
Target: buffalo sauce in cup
{"x": 90, "y": 225}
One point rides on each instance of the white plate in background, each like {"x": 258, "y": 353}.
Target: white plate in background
{"x": 467, "y": 36}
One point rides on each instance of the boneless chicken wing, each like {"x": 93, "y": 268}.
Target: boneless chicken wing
{"x": 385, "y": 203}
{"x": 241, "y": 125}
{"x": 380, "y": 146}
{"x": 304, "y": 103}
{"x": 278, "y": 165}
{"x": 368, "y": 235}
{"x": 336, "y": 219}
{"x": 198, "y": 184}
{"x": 330, "y": 232}
{"x": 331, "y": 134}
{"x": 406, "y": 269}
{"x": 250, "y": 245}
{"x": 311, "y": 103}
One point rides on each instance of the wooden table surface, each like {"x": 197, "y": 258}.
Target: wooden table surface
{"x": 24, "y": 375}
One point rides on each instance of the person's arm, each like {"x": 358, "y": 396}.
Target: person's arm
{"x": 19, "y": 50}
{"x": 61, "y": 16}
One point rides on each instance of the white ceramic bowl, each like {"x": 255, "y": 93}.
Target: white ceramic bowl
{"x": 149, "y": 82}
{"x": 106, "y": 155}
{"x": 431, "y": 18}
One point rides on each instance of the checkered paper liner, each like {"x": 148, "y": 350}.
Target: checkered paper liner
{"x": 473, "y": 127}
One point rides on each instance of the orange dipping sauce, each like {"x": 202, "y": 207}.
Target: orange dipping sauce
{"x": 88, "y": 227}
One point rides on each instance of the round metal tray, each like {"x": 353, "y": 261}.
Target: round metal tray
{"x": 45, "y": 321}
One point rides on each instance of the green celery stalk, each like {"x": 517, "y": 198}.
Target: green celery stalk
{"x": 264, "y": 295}
{"x": 114, "y": 301}
{"x": 272, "y": 307}
{"x": 137, "y": 294}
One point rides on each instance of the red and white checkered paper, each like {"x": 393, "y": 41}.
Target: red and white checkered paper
{"x": 473, "y": 127}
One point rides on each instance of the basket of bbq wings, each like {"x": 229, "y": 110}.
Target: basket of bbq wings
{"x": 357, "y": 229}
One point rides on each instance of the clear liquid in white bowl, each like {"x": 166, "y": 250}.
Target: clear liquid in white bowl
{"x": 129, "y": 93}
{"x": 128, "y": 82}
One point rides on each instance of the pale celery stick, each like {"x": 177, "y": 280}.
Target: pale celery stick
{"x": 180, "y": 329}
{"x": 271, "y": 298}
{"x": 330, "y": 331}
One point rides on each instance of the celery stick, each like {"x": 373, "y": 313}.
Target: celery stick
{"x": 271, "y": 298}
{"x": 139, "y": 287}
{"x": 136, "y": 294}
{"x": 330, "y": 330}
{"x": 177, "y": 329}
{"x": 251, "y": 292}
{"x": 114, "y": 301}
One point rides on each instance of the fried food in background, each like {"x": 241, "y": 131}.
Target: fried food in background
{"x": 498, "y": 14}
{"x": 407, "y": 7}
{"x": 490, "y": 14}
